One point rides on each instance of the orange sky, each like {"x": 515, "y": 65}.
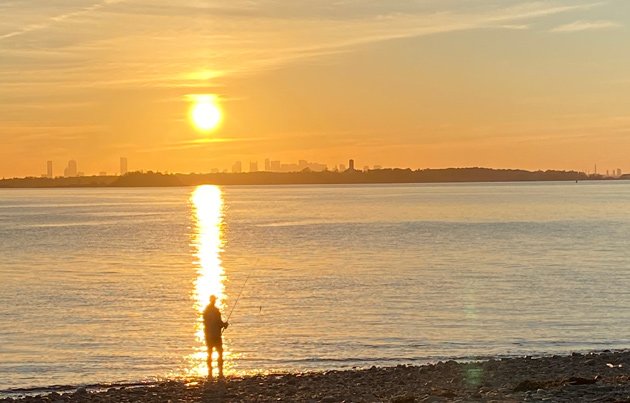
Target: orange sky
{"x": 433, "y": 83}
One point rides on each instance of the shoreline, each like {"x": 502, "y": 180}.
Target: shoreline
{"x": 596, "y": 376}
{"x": 375, "y": 176}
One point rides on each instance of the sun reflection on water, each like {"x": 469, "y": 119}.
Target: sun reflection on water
{"x": 207, "y": 204}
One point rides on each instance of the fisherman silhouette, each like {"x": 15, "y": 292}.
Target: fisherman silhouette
{"x": 213, "y": 326}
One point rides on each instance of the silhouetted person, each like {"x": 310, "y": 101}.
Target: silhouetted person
{"x": 213, "y": 326}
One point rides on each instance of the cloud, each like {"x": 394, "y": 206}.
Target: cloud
{"x": 579, "y": 26}
{"x": 111, "y": 44}
{"x": 517, "y": 27}
{"x": 57, "y": 19}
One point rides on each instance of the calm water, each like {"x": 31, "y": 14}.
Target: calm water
{"x": 102, "y": 285}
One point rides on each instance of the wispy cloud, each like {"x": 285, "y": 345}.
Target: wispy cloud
{"x": 198, "y": 143}
{"x": 579, "y": 26}
{"x": 195, "y": 45}
{"x": 517, "y": 27}
{"x": 57, "y": 19}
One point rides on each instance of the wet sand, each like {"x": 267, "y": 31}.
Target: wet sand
{"x": 600, "y": 377}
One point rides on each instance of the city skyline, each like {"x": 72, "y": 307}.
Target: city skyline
{"x": 533, "y": 85}
{"x": 269, "y": 166}
{"x": 275, "y": 166}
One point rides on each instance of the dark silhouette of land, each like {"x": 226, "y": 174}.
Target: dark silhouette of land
{"x": 376, "y": 176}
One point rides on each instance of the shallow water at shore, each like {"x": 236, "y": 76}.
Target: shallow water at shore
{"x": 103, "y": 285}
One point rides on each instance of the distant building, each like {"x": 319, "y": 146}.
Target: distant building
{"x": 237, "y": 168}
{"x": 289, "y": 167}
{"x": 123, "y": 166}
{"x": 278, "y": 166}
{"x": 49, "y": 169}
{"x": 342, "y": 167}
{"x": 351, "y": 165}
{"x": 378, "y": 167}
{"x": 71, "y": 169}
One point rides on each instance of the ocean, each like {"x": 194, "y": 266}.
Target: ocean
{"x": 107, "y": 285}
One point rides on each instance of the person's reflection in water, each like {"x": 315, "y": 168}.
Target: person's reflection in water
{"x": 213, "y": 327}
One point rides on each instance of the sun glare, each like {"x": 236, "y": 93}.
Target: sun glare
{"x": 205, "y": 113}
{"x": 207, "y": 206}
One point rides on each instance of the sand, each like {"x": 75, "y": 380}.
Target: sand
{"x": 601, "y": 377}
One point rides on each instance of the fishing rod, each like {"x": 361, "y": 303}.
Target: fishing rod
{"x": 239, "y": 294}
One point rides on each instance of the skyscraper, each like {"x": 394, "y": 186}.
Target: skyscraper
{"x": 123, "y": 166}
{"x": 71, "y": 169}
{"x": 49, "y": 169}
{"x": 351, "y": 165}
{"x": 253, "y": 166}
{"x": 237, "y": 167}
{"x": 267, "y": 165}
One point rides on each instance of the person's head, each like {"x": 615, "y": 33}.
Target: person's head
{"x": 213, "y": 299}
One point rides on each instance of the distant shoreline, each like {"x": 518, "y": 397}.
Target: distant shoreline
{"x": 378, "y": 176}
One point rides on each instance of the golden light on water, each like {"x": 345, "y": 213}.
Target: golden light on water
{"x": 205, "y": 113}
{"x": 207, "y": 203}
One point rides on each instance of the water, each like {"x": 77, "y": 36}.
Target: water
{"x": 103, "y": 285}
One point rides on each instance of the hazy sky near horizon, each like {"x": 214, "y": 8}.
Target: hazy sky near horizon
{"x": 424, "y": 83}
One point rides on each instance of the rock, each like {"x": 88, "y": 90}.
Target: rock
{"x": 574, "y": 380}
{"x": 527, "y": 385}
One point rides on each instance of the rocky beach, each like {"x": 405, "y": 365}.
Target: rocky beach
{"x": 593, "y": 377}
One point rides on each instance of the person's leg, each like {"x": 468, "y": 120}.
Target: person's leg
{"x": 209, "y": 361}
{"x": 220, "y": 360}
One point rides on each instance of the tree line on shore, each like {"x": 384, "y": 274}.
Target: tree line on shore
{"x": 375, "y": 176}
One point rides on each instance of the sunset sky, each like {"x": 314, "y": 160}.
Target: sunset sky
{"x": 424, "y": 83}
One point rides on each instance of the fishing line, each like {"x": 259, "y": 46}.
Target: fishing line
{"x": 241, "y": 292}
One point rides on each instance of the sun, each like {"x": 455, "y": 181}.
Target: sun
{"x": 205, "y": 114}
